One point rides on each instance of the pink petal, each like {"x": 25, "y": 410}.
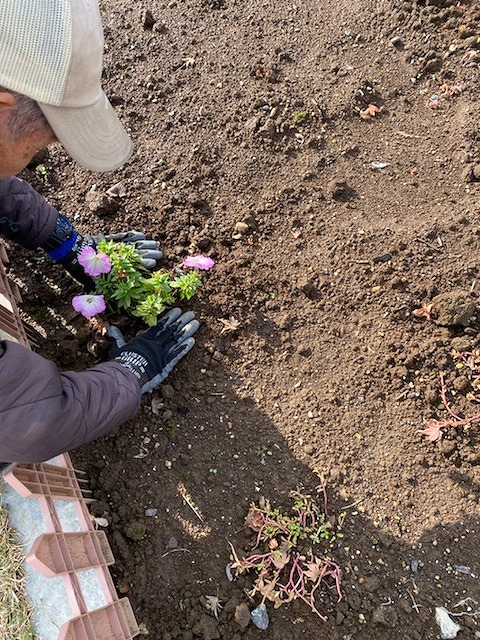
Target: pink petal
{"x": 199, "y": 262}
{"x": 89, "y": 305}
{"x": 94, "y": 263}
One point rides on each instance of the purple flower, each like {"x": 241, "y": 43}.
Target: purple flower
{"x": 89, "y": 305}
{"x": 199, "y": 262}
{"x": 94, "y": 263}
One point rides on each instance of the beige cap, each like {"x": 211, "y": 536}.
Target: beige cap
{"x": 51, "y": 51}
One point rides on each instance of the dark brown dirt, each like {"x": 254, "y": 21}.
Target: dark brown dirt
{"x": 249, "y": 112}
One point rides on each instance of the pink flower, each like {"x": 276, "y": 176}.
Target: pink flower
{"x": 89, "y": 305}
{"x": 199, "y": 262}
{"x": 94, "y": 263}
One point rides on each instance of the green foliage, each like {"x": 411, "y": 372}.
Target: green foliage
{"x": 129, "y": 286}
{"x": 300, "y": 117}
{"x": 187, "y": 284}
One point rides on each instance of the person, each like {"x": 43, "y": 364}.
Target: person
{"x": 50, "y": 90}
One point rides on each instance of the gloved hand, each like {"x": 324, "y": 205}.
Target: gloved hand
{"x": 66, "y": 244}
{"x": 151, "y": 356}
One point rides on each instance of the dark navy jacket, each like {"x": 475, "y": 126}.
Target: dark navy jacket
{"x": 44, "y": 412}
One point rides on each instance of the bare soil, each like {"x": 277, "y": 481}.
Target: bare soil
{"x": 251, "y": 148}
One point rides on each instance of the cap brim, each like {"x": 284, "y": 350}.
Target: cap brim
{"x": 93, "y": 135}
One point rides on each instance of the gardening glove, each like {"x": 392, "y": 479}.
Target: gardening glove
{"x": 65, "y": 245}
{"x": 152, "y": 355}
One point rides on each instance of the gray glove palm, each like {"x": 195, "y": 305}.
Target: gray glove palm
{"x": 151, "y": 356}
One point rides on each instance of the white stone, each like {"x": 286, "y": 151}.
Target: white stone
{"x": 448, "y": 628}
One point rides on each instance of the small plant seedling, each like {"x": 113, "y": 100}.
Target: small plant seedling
{"x": 294, "y": 559}
{"x": 300, "y": 117}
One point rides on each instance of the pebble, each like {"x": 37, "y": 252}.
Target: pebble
{"x": 448, "y": 628}
{"x": 397, "y": 42}
{"x": 242, "y": 228}
{"x": 453, "y": 308}
{"x": 100, "y": 203}
{"x": 259, "y": 617}
{"x": 172, "y": 542}
{"x": 167, "y": 391}
{"x": 242, "y": 615}
{"x": 386, "y": 616}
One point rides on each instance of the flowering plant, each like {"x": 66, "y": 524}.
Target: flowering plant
{"x": 122, "y": 282}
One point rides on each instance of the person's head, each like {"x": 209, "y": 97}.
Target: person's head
{"x": 23, "y": 130}
{"x": 50, "y": 85}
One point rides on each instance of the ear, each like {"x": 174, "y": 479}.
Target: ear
{"x": 7, "y": 100}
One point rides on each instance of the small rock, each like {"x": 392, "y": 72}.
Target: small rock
{"x": 259, "y": 617}
{"x": 397, "y": 42}
{"x": 252, "y": 125}
{"x": 387, "y": 616}
{"x": 453, "y": 308}
{"x": 467, "y": 174}
{"x": 148, "y": 20}
{"x": 339, "y": 190}
{"x": 167, "y": 391}
{"x": 135, "y": 531}
{"x": 448, "y": 628}
{"x": 384, "y": 257}
{"x": 242, "y": 615}
{"x": 268, "y": 130}
{"x": 172, "y": 542}
{"x": 101, "y": 203}
{"x": 476, "y": 172}
{"x": 117, "y": 190}
{"x": 242, "y": 228}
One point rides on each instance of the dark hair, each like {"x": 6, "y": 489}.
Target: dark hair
{"x": 25, "y": 118}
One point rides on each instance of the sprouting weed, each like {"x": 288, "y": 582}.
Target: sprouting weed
{"x": 469, "y": 363}
{"x": 424, "y": 311}
{"x": 294, "y": 560}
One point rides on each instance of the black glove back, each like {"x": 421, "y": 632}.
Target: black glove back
{"x": 151, "y": 356}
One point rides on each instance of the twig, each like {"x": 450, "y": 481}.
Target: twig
{"x": 167, "y": 553}
{"x": 184, "y": 496}
{"x": 406, "y": 135}
{"x": 352, "y": 504}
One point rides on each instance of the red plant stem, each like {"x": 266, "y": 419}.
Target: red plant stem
{"x": 325, "y": 497}
{"x": 444, "y": 397}
{"x": 457, "y": 422}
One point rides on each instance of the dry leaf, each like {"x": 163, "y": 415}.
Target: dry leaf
{"x": 229, "y": 324}
{"x": 189, "y": 62}
{"x": 213, "y": 605}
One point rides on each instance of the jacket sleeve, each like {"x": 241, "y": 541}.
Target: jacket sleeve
{"x": 44, "y": 412}
{"x": 25, "y": 217}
